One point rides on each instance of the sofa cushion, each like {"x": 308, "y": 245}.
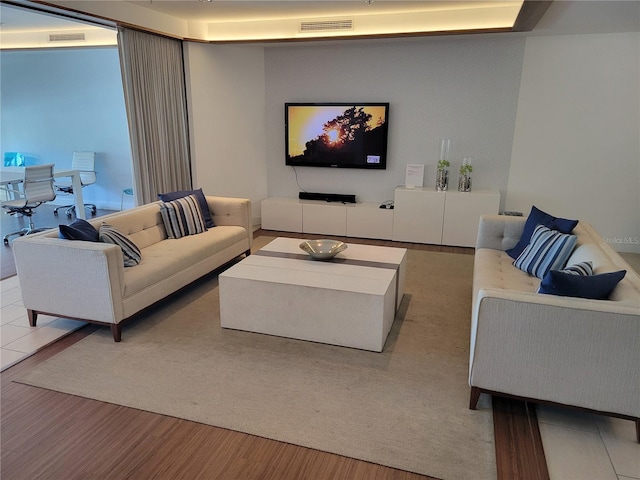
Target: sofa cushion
{"x": 79, "y": 230}
{"x": 538, "y": 217}
{"x": 130, "y": 252}
{"x": 594, "y": 253}
{"x": 143, "y": 224}
{"x": 493, "y": 269}
{"x": 182, "y": 217}
{"x": 548, "y": 250}
{"x": 597, "y": 287}
{"x": 202, "y": 203}
{"x": 170, "y": 258}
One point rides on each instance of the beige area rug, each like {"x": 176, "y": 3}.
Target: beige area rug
{"x": 406, "y": 407}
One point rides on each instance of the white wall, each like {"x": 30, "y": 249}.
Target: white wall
{"x": 463, "y": 88}
{"x": 554, "y": 123}
{"x": 226, "y": 97}
{"x": 576, "y": 150}
{"x": 55, "y": 102}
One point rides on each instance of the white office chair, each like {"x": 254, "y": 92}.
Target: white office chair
{"x": 37, "y": 189}
{"x": 85, "y": 163}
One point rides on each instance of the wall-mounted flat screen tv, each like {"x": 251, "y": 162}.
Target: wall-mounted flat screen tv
{"x": 340, "y": 135}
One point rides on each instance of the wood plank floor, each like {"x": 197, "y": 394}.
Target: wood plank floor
{"x": 51, "y": 435}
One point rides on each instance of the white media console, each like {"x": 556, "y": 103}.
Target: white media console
{"x": 421, "y": 215}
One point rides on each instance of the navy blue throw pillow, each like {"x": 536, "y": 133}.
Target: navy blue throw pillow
{"x": 79, "y": 230}
{"x": 538, "y": 217}
{"x": 202, "y": 203}
{"x": 597, "y": 287}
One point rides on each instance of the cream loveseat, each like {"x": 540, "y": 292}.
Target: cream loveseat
{"x": 88, "y": 281}
{"x": 556, "y": 349}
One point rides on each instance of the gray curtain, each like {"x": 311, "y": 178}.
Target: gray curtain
{"x": 155, "y": 98}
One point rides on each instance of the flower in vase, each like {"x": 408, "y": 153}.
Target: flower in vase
{"x": 466, "y": 169}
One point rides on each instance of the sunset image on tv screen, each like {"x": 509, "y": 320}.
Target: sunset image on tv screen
{"x": 345, "y": 135}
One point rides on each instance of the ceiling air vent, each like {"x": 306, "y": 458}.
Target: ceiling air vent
{"x": 66, "y": 37}
{"x": 326, "y": 25}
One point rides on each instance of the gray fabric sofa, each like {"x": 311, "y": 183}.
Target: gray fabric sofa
{"x": 88, "y": 281}
{"x": 546, "y": 348}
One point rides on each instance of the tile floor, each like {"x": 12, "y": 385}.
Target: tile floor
{"x": 17, "y": 339}
{"x": 578, "y": 445}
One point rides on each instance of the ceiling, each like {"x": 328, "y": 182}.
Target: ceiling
{"x": 235, "y": 11}
{"x": 290, "y": 20}
{"x": 215, "y": 10}
{"x": 273, "y": 20}
{"x": 22, "y": 28}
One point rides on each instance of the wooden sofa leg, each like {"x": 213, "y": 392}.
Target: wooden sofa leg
{"x": 116, "y": 331}
{"x": 247, "y": 253}
{"x": 473, "y": 399}
{"x": 33, "y": 317}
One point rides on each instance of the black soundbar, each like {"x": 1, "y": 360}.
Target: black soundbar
{"x": 327, "y": 197}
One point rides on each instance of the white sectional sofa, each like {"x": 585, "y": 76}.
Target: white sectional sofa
{"x": 546, "y": 348}
{"x": 88, "y": 281}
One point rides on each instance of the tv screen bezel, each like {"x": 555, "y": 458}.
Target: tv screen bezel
{"x": 382, "y": 165}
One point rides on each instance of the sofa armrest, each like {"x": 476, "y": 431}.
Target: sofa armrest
{"x": 570, "y": 351}
{"x": 499, "y": 232}
{"x": 53, "y": 270}
{"x": 232, "y": 211}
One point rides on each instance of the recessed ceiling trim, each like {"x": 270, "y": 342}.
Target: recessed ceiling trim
{"x": 130, "y": 14}
{"x": 473, "y": 18}
{"x": 530, "y": 14}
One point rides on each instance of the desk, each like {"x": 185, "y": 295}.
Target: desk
{"x": 12, "y": 179}
{"x": 15, "y": 175}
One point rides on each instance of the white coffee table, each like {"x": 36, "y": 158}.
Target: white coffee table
{"x": 349, "y": 301}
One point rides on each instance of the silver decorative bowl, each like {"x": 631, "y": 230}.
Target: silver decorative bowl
{"x": 323, "y": 249}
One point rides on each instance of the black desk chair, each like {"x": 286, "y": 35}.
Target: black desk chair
{"x": 37, "y": 189}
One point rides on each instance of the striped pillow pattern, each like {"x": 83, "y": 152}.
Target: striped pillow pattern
{"x": 547, "y": 250}
{"x": 130, "y": 251}
{"x": 582, "y": 268}
{"x": 182, "y": 217}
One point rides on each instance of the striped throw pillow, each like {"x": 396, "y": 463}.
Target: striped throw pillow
{"x": 182, "y": 217}
{"x": 582, "y": 268}
{"x": 547, "y": 250}
{"x": 130, "y": 251}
